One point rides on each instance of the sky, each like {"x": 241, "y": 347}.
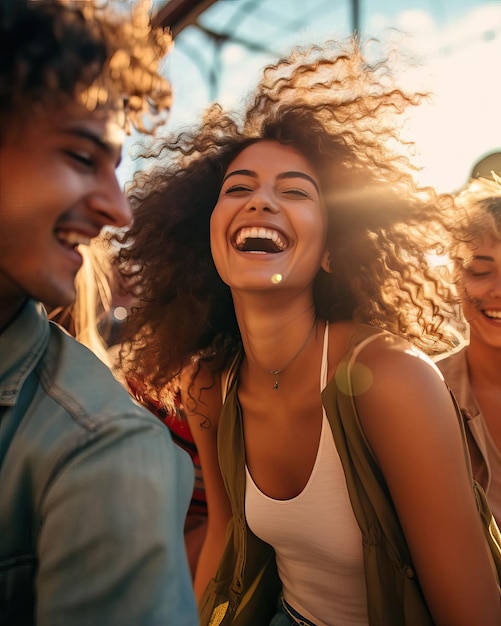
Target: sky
{"x": 457, "y": 41}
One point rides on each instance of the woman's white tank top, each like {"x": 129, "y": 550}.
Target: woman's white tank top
{"x": 316, "y": 538}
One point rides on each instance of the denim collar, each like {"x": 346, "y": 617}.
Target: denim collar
{"x": 22, "y": 344}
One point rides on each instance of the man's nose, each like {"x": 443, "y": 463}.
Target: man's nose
{"x": 109, "y": 201}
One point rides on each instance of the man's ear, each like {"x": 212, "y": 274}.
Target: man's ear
{"x": 326, "y": 262}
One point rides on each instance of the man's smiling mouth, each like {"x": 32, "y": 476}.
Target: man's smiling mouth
{"x": 259, "y": 239}
{"x": 72, "y": 238}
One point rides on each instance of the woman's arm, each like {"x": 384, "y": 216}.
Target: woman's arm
{"x": 202, "y": 404}
{"x": 409, "y": 420}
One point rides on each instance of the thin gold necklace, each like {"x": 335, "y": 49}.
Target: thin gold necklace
{"x": 277, "y": 372}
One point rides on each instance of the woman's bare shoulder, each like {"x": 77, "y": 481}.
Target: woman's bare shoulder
{"x": 393, "y": 358}
{"x": 387, "y": 357}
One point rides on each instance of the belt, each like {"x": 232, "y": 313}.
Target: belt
{"x": 296, "y": 617}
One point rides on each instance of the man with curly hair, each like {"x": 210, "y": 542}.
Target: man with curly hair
{"x": 93, "y": 492}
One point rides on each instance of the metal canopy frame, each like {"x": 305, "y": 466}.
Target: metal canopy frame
{"x": 178, "y": 14}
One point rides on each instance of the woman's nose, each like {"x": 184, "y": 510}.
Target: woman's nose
{"x": 262, "y": 200}
{"x": 495, "y": 290}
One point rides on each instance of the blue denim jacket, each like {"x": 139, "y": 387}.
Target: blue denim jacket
{"x": 93, "y": 492}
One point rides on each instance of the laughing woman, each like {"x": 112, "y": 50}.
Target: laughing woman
{"x": 280, "y": 255}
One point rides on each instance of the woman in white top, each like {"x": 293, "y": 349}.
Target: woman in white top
{"x": 273, "y": 235}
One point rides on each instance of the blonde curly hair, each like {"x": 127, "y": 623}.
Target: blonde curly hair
{"x": 477, "y": 217}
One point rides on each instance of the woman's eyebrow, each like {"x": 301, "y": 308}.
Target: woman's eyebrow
{"x": 241, "y": 172}
{"x": 291, "y": 174}
{"x": 298, "y": 175}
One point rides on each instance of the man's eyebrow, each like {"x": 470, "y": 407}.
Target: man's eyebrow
{"x": 107, "y": 147}
{"x": 483, "y": 257}
{"x": 299, "y": 175}
{"x": 283, "y": 175}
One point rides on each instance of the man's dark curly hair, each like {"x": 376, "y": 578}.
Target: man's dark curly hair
{"x": 340, "y": 112}
{"x": 54, "y": 51}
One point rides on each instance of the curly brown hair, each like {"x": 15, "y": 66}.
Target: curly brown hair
{"x": 341, "y": 112}
{"x": 52, "y": 51}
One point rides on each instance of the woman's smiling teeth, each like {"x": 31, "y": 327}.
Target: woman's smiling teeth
{"x": 259, "y": 239}
{"x": 72, "y": 238}
{"x": 495, "y": 315}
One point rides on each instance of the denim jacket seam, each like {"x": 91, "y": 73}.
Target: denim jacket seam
{"x": 11, "y": 388}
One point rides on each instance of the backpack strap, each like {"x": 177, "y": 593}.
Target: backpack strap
{"x": 489, "y": 525}
{"x": 230, "y": 375}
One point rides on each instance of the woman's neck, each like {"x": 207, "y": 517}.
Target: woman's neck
{"x": 484, "y": 364}
{"x": 274, "y": 336}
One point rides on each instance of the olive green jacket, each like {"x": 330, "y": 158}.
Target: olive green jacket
{"x": 246, "y": 587}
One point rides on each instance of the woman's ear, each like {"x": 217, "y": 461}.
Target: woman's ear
{"x": 326, "y": 262}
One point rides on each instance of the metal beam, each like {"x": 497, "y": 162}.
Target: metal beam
{"x": 178, "y": 14}
{"x": 355, "y": 16}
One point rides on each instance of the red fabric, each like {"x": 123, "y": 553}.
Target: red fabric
{"x": 181, "y": 435}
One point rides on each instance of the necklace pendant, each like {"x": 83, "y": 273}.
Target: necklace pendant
{"x": 277, "y": 374}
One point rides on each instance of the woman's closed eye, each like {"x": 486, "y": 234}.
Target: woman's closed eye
{"x": 237, "y": 189}
{"x": 477, "y": 273}
{"x": 296, "y": 191}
